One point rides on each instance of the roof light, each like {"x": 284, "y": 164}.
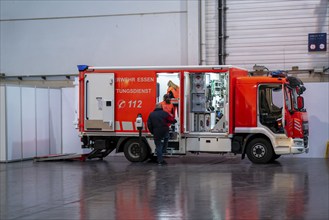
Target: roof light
{"x": 82, "y": 67}
{"x": 278, "y": 73}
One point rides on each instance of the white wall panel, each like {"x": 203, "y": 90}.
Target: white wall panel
{"x": 48, "y": 9}
{"x": 317, "y": 106}
{"x": 55, "y": 121}
{"x": 42, "y": 120}
{"x": 275, "y": 33}
{"x": 71, "y": 139}
{"x": 3, "y": 136}
{"x": 28, "y": 123}
{"x": 13, "y": 117}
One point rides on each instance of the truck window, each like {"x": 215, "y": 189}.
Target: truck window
{"x": 288, "y": 99}
{"x": 270, "y": 101}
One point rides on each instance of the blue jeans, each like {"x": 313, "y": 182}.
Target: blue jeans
{"x": 159, "y": 143}
{"x": 165, "y": 143}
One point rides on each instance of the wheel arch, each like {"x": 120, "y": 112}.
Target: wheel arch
{"x": 123, "y": 140}
{"x": 251, "y": 137}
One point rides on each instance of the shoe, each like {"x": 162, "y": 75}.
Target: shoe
{"x": 162, "y": 163}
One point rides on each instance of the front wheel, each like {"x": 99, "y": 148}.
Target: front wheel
{"x": 260, "y": 150}
{"x": 275, "y": 156}
{"x": 135, "y": 151}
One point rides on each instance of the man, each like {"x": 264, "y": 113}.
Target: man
{"x": 158, "y": 124}
{"x": 173, "y": 90}
{"x": 166, "y": 104}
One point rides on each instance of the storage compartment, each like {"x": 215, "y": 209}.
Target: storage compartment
{"x": 99, "y": 106}
{"x": 207, "y": 95}
{"x": 208, "y": 144}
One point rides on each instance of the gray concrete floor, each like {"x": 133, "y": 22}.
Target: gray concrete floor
{"x": 189, "y": 187}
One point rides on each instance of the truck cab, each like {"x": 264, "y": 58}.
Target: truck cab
{"x": 270, "y": 110}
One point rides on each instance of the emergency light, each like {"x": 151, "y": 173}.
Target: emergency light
{"x": 278, "y": 73}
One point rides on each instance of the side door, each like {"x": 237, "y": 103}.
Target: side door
{"x": 99, "y": 102}
{"x": 271, "y": 102}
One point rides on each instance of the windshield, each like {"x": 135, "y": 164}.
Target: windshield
{"x": 293, "y": 90}
{"x": 291, "y": 99}
{"x": 288, "y": 99}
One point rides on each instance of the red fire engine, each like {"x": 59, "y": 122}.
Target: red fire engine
{"x": 220, "y": 109}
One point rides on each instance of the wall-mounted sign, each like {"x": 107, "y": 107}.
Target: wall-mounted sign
{"x": 317, "y": 42}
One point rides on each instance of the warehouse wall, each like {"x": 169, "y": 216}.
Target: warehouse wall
{"x": 275, "y": 33}
{"x": 52, "y": 37}
{"x": 211, "y": 29}
{"x": 71, "y": 141}
{"x": 3, "y": 147}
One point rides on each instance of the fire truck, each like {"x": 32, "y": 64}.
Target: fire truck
{"x": 219, "y": 109}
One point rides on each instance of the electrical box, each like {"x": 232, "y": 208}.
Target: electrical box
{"x": 198, "y": 91}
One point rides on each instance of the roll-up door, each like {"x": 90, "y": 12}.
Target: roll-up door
{"x": 211, "y": 32}
{"x": 275, "y": 33}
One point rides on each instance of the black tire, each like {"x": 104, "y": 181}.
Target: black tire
{"x": 153, "y": 158}
{"x": 260, "y": 150}
{"x": 135, "y": 153}
{"x": 275, "y": 156}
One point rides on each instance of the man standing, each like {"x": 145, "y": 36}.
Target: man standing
{"x": 166, "y": 104}
{"x": 173, "y": 90}
{"x": 158, "y": 124}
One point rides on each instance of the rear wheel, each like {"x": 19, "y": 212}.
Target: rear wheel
{"x": 260, "y": 150}
{"x": 135, "y": 151}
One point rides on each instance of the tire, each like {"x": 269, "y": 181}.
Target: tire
{"x": 275, "y": 156}
{"x": 260, "y": 150}
{"x": 135, "y": 153}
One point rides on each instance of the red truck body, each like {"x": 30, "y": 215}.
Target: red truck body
{"x": 220, "y": 109}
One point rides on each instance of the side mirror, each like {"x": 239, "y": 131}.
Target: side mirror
{"x": 300, "y": 90}
{"x": 300, "y": 102}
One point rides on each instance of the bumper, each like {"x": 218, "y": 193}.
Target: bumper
{"x": 291, "y": 146}
{"x": 298, "y": 146}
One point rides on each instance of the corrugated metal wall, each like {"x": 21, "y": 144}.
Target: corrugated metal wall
{"x": 211, "y": 32}
{"x": 275, "y": 33}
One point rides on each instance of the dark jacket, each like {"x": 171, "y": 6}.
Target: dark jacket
{"x": 158, "y": 123}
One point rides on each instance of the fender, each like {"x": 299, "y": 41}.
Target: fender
{"x": 245, "y": 141}
{"x": 254, "y": 133}
{"x": 123, "y": 140}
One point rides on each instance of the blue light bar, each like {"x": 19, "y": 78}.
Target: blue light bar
{"x": 82, "y": 67}
{"x": 278, "y": 73}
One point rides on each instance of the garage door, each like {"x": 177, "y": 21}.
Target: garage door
{"x": 275, "y": 33}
